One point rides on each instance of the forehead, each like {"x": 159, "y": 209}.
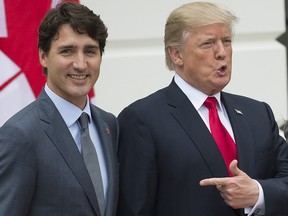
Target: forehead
{"x": 216, "y": 30}
{"x": 66, "y": 35}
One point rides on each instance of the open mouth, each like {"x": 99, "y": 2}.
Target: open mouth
{"x": 223, "y": 68}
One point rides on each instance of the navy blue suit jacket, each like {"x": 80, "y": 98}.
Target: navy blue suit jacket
{"x": 165, "y": 149}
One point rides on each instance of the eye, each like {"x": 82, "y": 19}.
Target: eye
{"x": 227, "y": 42}
{"x": 66, "y": 51}
{"x": 207, "y": 44}
{"x": 91, "y": 52}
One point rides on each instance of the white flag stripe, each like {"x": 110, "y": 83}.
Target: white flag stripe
{"x": 8, "y": 68}
{"x": 3, "y": 25}
{"x": 20, "y": 99}
{"x": 54, "y": 3}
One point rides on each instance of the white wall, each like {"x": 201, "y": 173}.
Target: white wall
{"x": 134, "y": 66}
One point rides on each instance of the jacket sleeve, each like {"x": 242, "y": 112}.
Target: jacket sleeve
{"x": 138, "y": 169}
{"x": 276, "y": 188}
{"x": 17, "y": 171}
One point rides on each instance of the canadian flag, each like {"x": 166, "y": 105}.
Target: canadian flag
{"x": 21, "y": 75}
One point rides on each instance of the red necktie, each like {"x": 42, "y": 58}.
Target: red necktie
{"x": 221, "y": 136}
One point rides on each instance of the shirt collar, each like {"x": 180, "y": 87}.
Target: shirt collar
{"x": 195, "y": 96}
{"x": 69, "y": 112}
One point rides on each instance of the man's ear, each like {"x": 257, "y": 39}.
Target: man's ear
{"x": 42, "y": 57}
{"x": 175, "y": 55}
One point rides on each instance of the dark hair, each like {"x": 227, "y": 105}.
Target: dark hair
{"x": 79, "y": 17}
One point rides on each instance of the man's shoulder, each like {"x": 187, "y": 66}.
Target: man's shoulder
{"x": 240, "y": 98}
{"x": 151, "y": 99}
{"x": 101, "y": 111}
{"x": 23, "y": 114}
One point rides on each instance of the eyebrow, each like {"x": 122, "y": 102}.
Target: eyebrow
{"x": 89, "y": 46}
{"x": 66, "y": 47}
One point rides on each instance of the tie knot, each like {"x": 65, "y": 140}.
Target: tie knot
{"x": 210, "y": 102}
{"x": 83, "y": 120}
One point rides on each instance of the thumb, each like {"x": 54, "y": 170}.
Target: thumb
{"x": 234, "y": 168}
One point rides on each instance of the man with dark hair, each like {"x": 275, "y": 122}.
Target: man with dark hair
{"x": 58, "y": 154}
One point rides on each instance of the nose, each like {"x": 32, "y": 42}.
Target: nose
{"x": 79, "y": 62}
{"x": 220, "y": 51}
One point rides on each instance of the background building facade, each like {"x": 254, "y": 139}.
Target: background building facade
{"x": 134, "y": 65}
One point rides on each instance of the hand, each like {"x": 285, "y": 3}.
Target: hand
{"x": 239, "y": 191}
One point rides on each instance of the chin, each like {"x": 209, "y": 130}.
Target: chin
{"x": 223, "y": 82}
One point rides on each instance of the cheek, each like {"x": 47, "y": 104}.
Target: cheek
{"x": 95, "y": 66}
{"x": 96, "y": 72}
{"x": 61, "y": 66}
{"x": 201, "y": 59}
{"x": 58, "y": 67}
{"x": 54, "y": 62}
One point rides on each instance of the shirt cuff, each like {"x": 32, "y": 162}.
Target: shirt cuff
{"x": 259, "y": 207}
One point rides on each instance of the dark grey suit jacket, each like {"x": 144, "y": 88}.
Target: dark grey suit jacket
{"x": 41, "y": 169}
{"x": 165, "y": 149}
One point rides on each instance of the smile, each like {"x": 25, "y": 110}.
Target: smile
{"x": 78, "y": 77}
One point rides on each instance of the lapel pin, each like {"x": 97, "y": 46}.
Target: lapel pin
{"x": 107, "y": 131}
{"x": 239, "y": 112}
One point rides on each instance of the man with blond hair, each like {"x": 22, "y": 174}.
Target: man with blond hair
{"x": 191, "y": 149}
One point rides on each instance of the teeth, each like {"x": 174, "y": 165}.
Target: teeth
{"x": 79, "y": 77}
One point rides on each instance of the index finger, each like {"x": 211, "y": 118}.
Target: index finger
{"x": 213, "y": 181}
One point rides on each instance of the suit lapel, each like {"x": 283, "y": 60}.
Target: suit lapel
{"x": 187, "y": 116}
{"x": 60, "y": 136}
{"x": 242, "y": 134}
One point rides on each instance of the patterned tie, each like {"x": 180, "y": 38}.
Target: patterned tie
{"x": 91, "y": 161}
{"x": 221, "y": 136}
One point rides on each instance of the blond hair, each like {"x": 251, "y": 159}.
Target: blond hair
{"x": 190, "y": 17}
